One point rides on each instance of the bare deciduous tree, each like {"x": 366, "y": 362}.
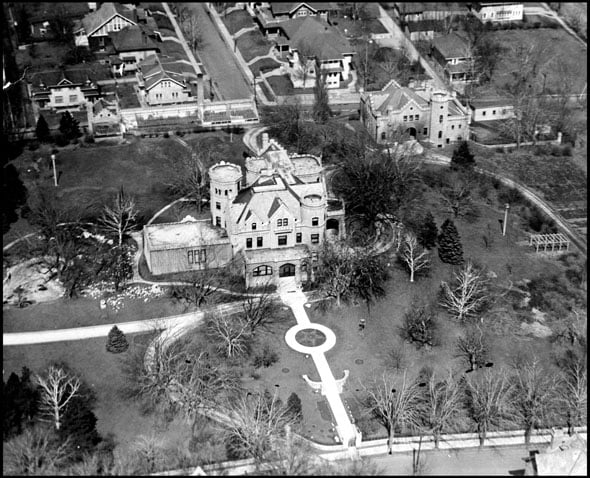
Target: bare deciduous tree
{"x": 57, "y": 389}
{"x": 473, "y": 347}
{"x": 189, "y": 176}
{"x": 395, "y": 403}
{"x": 574, "y": 397}
{"x": 468, "y": 296}
{"x": 191, "y": 29}
{"x": 533, "y": 396}
{"x": 335, "y": 270}
{"x": 306, "y": 53}
{"x": 120, "y": 218}
{"x": 258, "y": 311}
{"x": 259, "y": 425}
{"x": 488, "y": 400}
{"x": 442, "y": 403}
{"x": 414, "y": 256}
{"x": 232, "y": 334}
{"x": 458, "y": 199}
{"x": 34, "y": 452}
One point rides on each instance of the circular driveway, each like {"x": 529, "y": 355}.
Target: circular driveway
{"x": 290, "y": 338}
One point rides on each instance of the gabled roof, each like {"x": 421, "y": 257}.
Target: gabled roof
{"x": 395, "y": 97}
{"x": 155, "y": 69}
{"x": 132, "y": 38}
{"x": 76, "y": 75}
{"x": 408, "y": 8}
{"x": 451, "y": 46}
{"x": 102, "y": 104}
{"x": 318, "y": 34}
{"x": 424, "y": 26}
{"x": 93, "y": 21}
{"x": 280, "y": 8}
{"x": 274, "y": 207}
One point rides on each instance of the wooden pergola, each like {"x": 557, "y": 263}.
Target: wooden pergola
{"x": 557, "y": 242}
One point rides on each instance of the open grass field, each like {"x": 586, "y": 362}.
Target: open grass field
{"x": 102, "y": 371}
{"x": 556, "y": 41}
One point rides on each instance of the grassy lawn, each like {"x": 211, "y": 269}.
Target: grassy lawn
{"x": 237, "y": 20}
{"x": 102, "y": 371}
{"x": 44, "y": 55}
{"x": 253, "y": 44}
{"x": 82, "y": 312}
{"x": 264, "y": 65}
{"x": 281, "y": 85}
{"x": 556, "y": 41}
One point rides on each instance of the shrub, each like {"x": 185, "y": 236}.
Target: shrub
{"x": 510, "y": 196}
{"x": 294, "y": 407}
{"x": 33, "y": 145}
{"x": 89, "y": 138}
{"x": 166, "y": 135}
{"x": 419, "y": 326}
{"x": 116, "y": 341}
{"x": 266, "y": 357}
{"x": 567, "y": 150}
{"x": 61, "y": 140}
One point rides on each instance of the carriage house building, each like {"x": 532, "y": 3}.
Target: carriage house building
{"x": 269, "y": 223}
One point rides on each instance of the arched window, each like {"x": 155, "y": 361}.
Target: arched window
{"x": 262, "y": 271}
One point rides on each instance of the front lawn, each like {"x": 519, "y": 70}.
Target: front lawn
{"x": 237, "y": 20}
{"x": 43, "y": 55}
{"x": 264, "y": 65}
{"x": 253, "y": 44}
{"x": 281, "y": 85}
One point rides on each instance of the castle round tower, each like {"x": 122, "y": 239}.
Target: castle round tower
{"x": 438, "y": 117}
{"x": 225, "y": 181}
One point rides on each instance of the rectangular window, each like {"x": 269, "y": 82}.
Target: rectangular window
{"x": 249, "y": 243}
{"x": 217, "y": 221}
{"x": 425, "y": 131}
{"x": 73, "y": 98}
{"x": 447, "y": 140}
{"x": 440, "y": 119}
{"x": 315, "y": 238}
{"x": 259, "y": 242}
{"x": 298, "y": 238}
{"x": 197, "y": 256}
{"x": 59, "y": 99}
{"x": 417, "y": 117}
{"x": 253, "y": 226}
{"x": 314, "y": 256}
{"x": 483, "y": 113}
{"x": 383, "y": 135}
{"x": 459, "y": 126}
{"x": 315, "y": 221}
{"x": 282, "y": 240}
{"x": 279, "y": 223}
{"x": 440, "y": 134}
{"x": 411, "y": 117}
{"x": 493, "y": 112}
{"x": 453, "y": 126}
{"x": 303, "y": 267}
{"x": 217, "y": 205}
{"x": 285, "y": 222}
{"x": 405, "y": 118}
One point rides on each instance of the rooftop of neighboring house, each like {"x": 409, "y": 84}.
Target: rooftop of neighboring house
{"x": 102, "y": 104}
{"x": 567, "y": 457}
{"x": 94, "y": 20}
{"x": 155, "y": 68}
{"x": 281, "y": 8}
{"x": 86, "y": 75}
{"x": 424, "y": 26}
{"x": 420, "y": 7}
{"x": 490, "y": 101}
{"x": 452, "y": 45}
{"x": 132, "y": 38}
{"x": 318, "y": 34}
{"x": 480, "y": 5}
{"x": 394, "y": 97}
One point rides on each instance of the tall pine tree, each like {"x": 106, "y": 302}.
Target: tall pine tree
{"x": 428, "y": 232}
{"x": 69, "y": 126}
{"x": 450, "y": 249}
{"x": 321, "y": 107}
{"x": 42, "y": 129}
{"x": 116, "y": 341}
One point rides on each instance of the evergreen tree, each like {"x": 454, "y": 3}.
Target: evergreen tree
{"x": 79, "y": 423}
{"x": 14, "y": 194}
{"x": 428, "y": 232}
{"x": 42, "y": 129}
{"x": 294, "y": 407}
{"x": 117, "y": 342}
{"x": 450, "y": 249}
{"x": 69, "y": 126}
{"x": 11, "y": 415}
{"x": 462, "y": 157}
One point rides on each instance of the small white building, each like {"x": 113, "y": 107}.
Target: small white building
{"x": 491, "y": 108}
{"x": 498, "y": 11}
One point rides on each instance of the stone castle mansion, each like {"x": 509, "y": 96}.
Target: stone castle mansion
{"x": 268, "y": 223}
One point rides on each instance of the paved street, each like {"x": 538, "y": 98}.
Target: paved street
{"x": 467, "y": 462}
{"x": 218, "y": 60}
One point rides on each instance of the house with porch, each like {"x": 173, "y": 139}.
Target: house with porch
{"x": 303, "y": 41}
{"x": 498, "y": 12}
{"x": 131, "y": 45}
{"x": 164, "y": 81}
{"x": 269, "y": 223}
{"x": 396, "y": 113}
{"x": 452, "y": 52}
{"x": 93, "y": 31}
{"x": 406, "y": 12}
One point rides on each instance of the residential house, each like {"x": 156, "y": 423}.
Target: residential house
{"x": 95, "y": 27}
{"x": 165, "y": 81}
{"x": 423, "y": 114}
{"x": 498, "y": 11}
{"x": 315, "y": 40}
{"x": 452, "y": 52}
{"x": 282, "y": 11}
{"x": 418, "y": 11}
{"x": 490, "y": 108}
{"x": 422, "y": 29}
{"x": 272, "y": 222}
{"x": 104, "y": 118}
{"x": 41, "y": 13}
{"x": 131, "y": 45}
{"x": 66, "y": 89}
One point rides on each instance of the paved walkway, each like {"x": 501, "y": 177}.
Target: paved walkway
{"x": 293, "y": 297}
